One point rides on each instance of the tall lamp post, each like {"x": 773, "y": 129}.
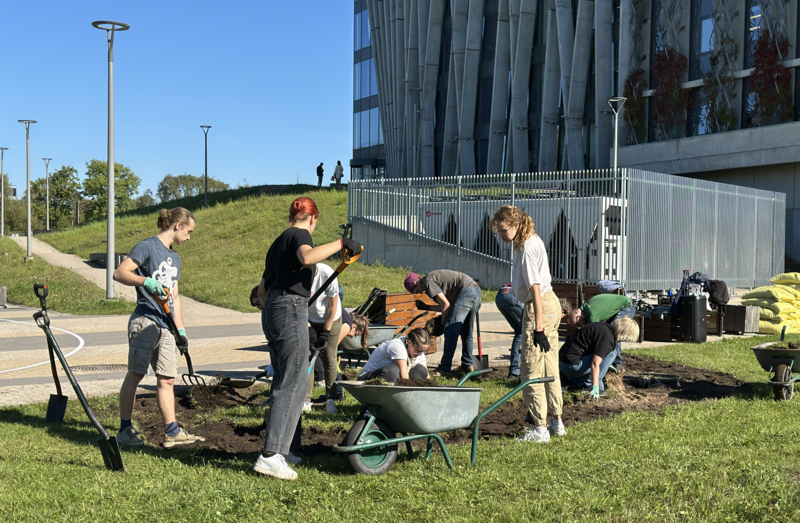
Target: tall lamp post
{"x": 2, "y": 195}
{"x": 612, "y": 102}
{"x": 205, "y": 129}
{"x": 47, "y": 187}
{"x": 28, "y": 170}
{"x": 616, "y": 104}
{"x": 110, "y": 28}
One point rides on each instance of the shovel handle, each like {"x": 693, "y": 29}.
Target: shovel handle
{"x": 164, "y": 302}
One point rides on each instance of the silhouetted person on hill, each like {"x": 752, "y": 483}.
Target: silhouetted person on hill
{"x": 320, "y": 171}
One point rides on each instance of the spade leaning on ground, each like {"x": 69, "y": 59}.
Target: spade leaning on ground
{"x": 284, "y": 292}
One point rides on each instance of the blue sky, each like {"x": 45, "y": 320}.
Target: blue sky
{"x": 272, "y": 78}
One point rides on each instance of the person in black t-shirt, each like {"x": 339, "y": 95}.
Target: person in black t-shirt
{"x": 587, "y": 354}
{"x": 283, "y": 292}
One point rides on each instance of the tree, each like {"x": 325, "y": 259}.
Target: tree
{"x": 95, "y": 188}
{"x": 183, "y": 185}
{"x": 64, "y": 192}
{"x": 146, "y": 200}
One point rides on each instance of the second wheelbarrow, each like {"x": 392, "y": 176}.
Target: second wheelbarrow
{"x": 783, "y": 362}
{"x": 416, "y": 413}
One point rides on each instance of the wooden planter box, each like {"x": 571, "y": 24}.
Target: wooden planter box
{"x": 661, "y": 330}
{"x": 740, "y": 319}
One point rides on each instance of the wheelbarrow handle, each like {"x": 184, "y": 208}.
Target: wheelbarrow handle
{"x": 472, "y": 374}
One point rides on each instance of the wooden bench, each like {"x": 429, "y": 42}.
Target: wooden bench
{"x": 571, "y": 292}
{"x": 405, "y": 310}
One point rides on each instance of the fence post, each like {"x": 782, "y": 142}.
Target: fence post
{"x": 513, "y": 203}
{"x": 458, "y": 223}
{"x": 622, "y": 255}
{"x": 408, "y": 209}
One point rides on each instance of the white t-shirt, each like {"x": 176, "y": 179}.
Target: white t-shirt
{"x": 386, "y": 353}
{"x": 318, "y": 312}
{"x": 530, "y": 267}
{"x": 338, "y": 172}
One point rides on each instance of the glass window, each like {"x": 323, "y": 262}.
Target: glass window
{"x": 357, "y": 33}
{"x": 753, "y": 30}
{"x": 366, "y": 67}
{"x": 364, "y": 128}
{"x": 357, "y": 81}
{"x": 356, "y": 130}
{"x": 374, "y": 126}
{"x": 380, "y": 129}
{"x": 365, "y": 29}
{"x": 373, "y": 78}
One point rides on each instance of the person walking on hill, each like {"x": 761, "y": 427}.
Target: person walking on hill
{"x": 338, "y": 174}
{"x": 151, "y": 267}
{"x": 531, "y": 285}
{"x": 283, "y": 292}
{"x": 320, "y": 174}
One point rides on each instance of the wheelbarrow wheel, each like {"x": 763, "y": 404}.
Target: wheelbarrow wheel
{"x": 783, "y": 392}
{"x": 375, "y": 461}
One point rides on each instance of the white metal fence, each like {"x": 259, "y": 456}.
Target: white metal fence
{"x": 637, "y": 227}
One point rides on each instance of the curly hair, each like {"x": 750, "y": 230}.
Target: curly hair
{"x": 166, "y": 218}
{"x": 514, "y": 216}
{"x": 566, "y": 306}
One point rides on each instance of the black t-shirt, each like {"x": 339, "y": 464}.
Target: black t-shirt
{"x": 282, "y": 268}
{"x": 346, "y": 318}
{"x": 594, "y": 338}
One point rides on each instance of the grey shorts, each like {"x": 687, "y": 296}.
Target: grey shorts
{"x": 150, "y": 345}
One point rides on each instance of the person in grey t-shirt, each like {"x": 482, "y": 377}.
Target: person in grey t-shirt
{"x": 154, "y": 268}
{"x": 459, "y": 299}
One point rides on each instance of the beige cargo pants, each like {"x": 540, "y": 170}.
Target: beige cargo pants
{"x": 541, "y": 399}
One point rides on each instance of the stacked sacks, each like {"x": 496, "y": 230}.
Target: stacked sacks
{"x": 779, "y": 303}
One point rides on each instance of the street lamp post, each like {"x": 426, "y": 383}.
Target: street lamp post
{"x": 47, "y": 187}
{"x": 622, "y": 274}
{"x": 110, "y": 28}
{"x": 205, "y": 129}
{"x": 28, "y": 170}
{"x": 2, "y": 195}
{"x": 616, "y": 108}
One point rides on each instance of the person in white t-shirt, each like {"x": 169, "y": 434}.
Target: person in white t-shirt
{"x": 325, "y": 317}
{"x": 399, "y": 358}
{"x": 531, "y": 284}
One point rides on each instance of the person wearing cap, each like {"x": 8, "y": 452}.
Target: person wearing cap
{"x": 606, "y": 308}
{"x": 459, "y": 300}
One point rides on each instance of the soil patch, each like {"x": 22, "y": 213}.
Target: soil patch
{"x": 416, "y": 383}
{"x": 647, "y": 385}
{"x": 791, "y": 346}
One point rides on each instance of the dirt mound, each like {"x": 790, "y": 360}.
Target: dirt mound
{"x": 647, "y": 385}
{"x": 416, "y": 383}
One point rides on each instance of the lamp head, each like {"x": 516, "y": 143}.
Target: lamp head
{"x": 110, "y": 26}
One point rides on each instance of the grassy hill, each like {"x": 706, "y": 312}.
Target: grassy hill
{"x": 225, "y": 257}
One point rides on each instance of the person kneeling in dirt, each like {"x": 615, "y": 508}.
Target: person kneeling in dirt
{"x": 607, "y": 308}
{"x": 587, "y": 354}
{"x": 459, "y": 299}
{"x": 151, "y": 267}
{"x": 390, "y": 360}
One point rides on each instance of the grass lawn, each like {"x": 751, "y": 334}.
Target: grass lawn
{"x": 72, "y": 294}
{"x": 225, "y": 257}
{"x": 722, "y": 460}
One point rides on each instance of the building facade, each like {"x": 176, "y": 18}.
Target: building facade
{"x": 368, "y": 148}
{"x": 497, "y": 86}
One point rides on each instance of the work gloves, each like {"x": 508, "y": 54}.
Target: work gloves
{"x": 595, "y": 393}
{"x": 540, "y": 340}
{"x": 322, "y": 338}
{"x": 421, "y": 305}
{"x": 154, "y": 288}
{"x": 352, "y": 246}
{"x": 182, "y": 341}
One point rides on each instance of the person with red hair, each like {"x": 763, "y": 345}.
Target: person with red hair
{"x": 283, "y": 293}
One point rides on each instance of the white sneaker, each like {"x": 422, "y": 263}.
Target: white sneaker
{"x": 330, "y": 407}
{"x": 535, "y": 437}
{"x": 292, "y": 459}
{"x": 274, "y": 466}
{"x": 556, "y": 428}
{"x": 306, "y": 406}
{"x": 320, "y": 384}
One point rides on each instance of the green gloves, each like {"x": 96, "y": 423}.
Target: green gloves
{"x": 153, "y": 287}
{"x": 182, "y": 341}
{"x": 595, "y": 392}
{"x": 182, "y": 332}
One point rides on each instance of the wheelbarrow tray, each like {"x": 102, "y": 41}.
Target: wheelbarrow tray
{"x": 770, "y": 358}
{"x": 378, "y": 334}
{"x": 420, "y": 409}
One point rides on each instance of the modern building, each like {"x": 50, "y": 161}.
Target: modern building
{"x": 470, "y": 87}
{"x": 368, "y": 148}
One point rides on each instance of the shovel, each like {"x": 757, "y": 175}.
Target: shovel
{"x": 109, "y": 448}
{"x": 243, "y": 384}
{"x": 482, "y": 361}
{"x": 191, "y": 379}
{"x": 57, "y": 406}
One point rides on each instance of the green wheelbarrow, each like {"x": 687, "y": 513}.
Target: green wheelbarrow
{"x": 416, "y": 413}
{"x": 782, "y": 362}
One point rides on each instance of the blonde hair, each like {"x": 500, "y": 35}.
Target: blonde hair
{"x": 566, "y": 306}
{"x": 625, "y": 329}
{"x": 513, "y": 216}
{"x": 362, "y": 323}
{"x": 419, "y": 337}
{"x": 166, "y": 218}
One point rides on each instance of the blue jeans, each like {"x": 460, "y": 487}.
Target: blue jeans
{"x": 511, "y": 309}
{"x": 581, "y": 374}
{"x": 629, "y": 312}
{"x": 459, "y": 323}
{"x": 284, "y": 319}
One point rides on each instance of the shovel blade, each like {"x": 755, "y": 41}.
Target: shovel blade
{"x": 236, "y": 384}
{"x": 112, "y": 457}
{"x": 481, "y": 362}
{"x": 56, "y": 408}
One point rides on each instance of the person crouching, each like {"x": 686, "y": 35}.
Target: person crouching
{"x": 390, "y": 360}
{"x": 587, "y": 354}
